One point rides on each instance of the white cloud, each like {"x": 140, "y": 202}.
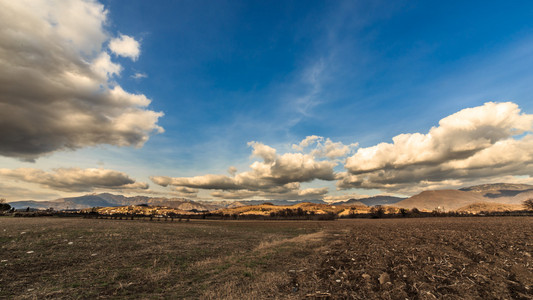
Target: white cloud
{"x": 267, "y": 153}
{"x": 104, "y": 67}
{"x": 325, "y": 147}
{"x": 57, "y": 85}
{"x": 313, "y": 192}
{"x": 139, "y": 75}
{"x": 181, "y": 191}
{"x": 74, "y": 179}
{"x": 275, "y": 176}
{"x": 125, "y": 46}
{"x": 458, "y": 136}
{"x": 333, "y": 150}
{"x": 488, "y": 141}
{"x": 309, "y": 140}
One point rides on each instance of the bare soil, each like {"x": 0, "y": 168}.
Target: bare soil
{"x": 444, "y": 258}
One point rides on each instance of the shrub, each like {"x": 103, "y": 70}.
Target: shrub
{"x": 377, "y": 211}
{"x": 4, "y": 207}
{"x": 404, "y": 212}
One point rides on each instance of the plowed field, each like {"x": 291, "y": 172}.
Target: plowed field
{"x": 443, "y": 258}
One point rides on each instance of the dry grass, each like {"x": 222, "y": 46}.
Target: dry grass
{"x": 90, "y": 258}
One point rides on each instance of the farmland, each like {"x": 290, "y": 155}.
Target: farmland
{"x": 453, "y": 258}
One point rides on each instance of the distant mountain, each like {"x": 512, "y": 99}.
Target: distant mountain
{"x": 497, "y": 193}
{"x": 108, "y": 200}
{"x": 112, "y": 200}
{"x": 498, "y": 190}
{"x": 500, "y": 193}
{"x": 445, "y": 199}
{"x": 215, "y": 204}
{"x": 279, "y": 202}
{"x": 372, "y": 201}
{"x": 351, "y": 202}
{"x": 505, "y": 193}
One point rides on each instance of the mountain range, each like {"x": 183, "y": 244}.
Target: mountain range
{"x": 109, "y": 200}
{"x": 498, "y": 193}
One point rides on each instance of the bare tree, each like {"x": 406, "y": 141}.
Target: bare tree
{"x": 529, "y": 204}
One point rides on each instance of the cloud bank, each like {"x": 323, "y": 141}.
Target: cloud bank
{"x": 75, "y": 179}
{"x": 57, "y": 81}
{"x": 273, "y": 176}
{"x": 488, "y": 143}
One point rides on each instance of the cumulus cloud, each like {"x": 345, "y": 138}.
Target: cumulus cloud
{"x": 488, "y": 141}
{"x": 275, "y": 175}
{"x": 57, "y": 81}
{"x": 333, "y": 150}
{"x": 74, "y": 179}
{"x": 181, "y": 191}
{"x": 186, "y": 190}
{"x": 125, "y": 46}
{"x": 306, "y": 142}
{"x": 325, "y": 147}
{"x": 275, "y": 171}
{"x": 290, "y": 194}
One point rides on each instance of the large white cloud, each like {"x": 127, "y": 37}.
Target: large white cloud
{"x": 75, "y": 179}
{"x": 485, "y": 142}
{"x": 57, "y": 88}
{"x": 275, "y": 175}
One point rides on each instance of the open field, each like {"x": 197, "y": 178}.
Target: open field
{"x": 451, "y": 258}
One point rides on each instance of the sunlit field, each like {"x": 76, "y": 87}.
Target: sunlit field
{"x": 451, "y": 258}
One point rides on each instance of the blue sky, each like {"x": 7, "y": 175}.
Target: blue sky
{"x": 228, "y": 73}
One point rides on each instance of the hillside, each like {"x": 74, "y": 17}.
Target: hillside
{"x": 372, "y": 201}
{"x": 267, "y": 209}
{"x": 489, "y": 207}
{"x": 138, "y": 210}
{"x": 445, "y": 199}
{"x": 496, "y": 193}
